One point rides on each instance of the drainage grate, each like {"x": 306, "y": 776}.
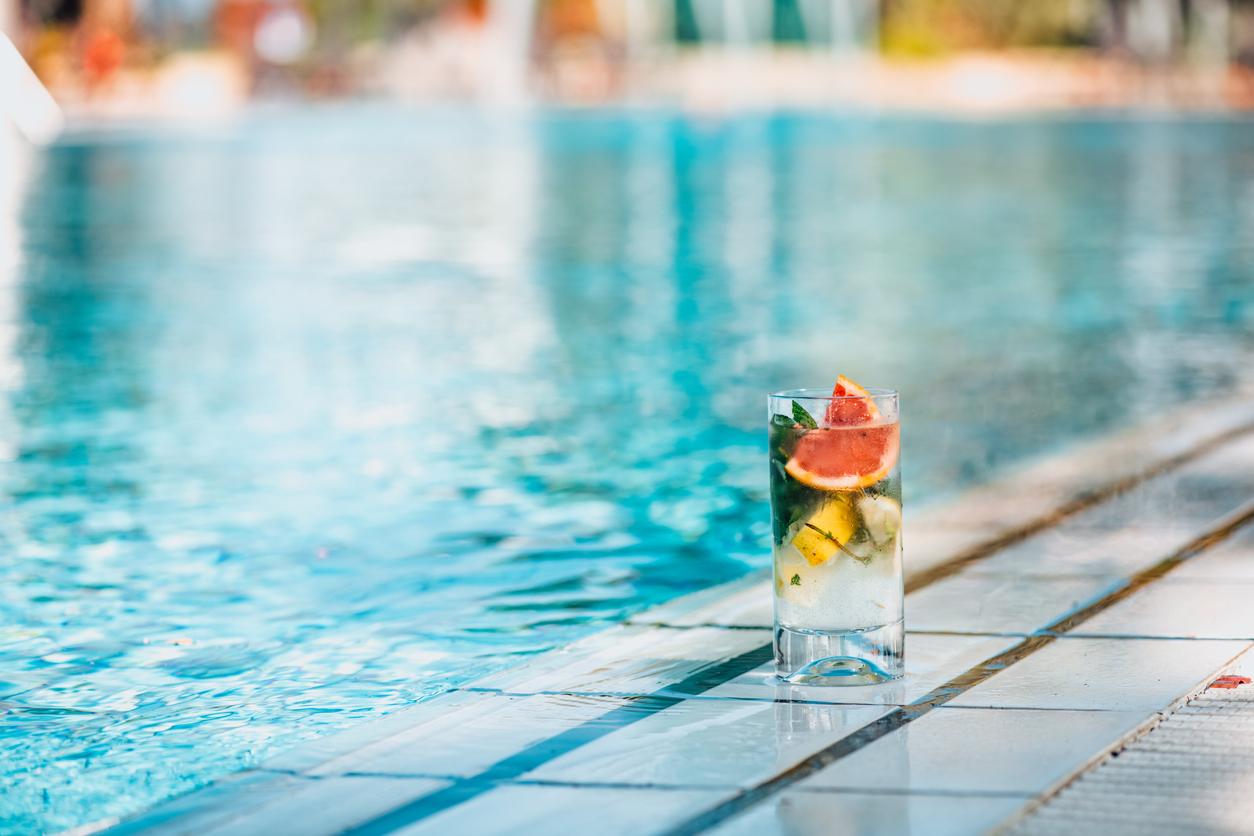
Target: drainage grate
{"x": 1193, "y": 773}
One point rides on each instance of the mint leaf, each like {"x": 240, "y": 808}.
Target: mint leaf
{"x": 802, "y": 417}
{"x": 796, "y": 580}
{"x": 782, "y": 421}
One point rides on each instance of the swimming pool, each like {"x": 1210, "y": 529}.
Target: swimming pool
{"x": 309, "y": 417}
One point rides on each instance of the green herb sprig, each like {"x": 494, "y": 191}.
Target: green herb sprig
{"x": 802, "y": 417}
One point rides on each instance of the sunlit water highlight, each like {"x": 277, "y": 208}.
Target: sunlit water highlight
{"x": 313, "y": 416}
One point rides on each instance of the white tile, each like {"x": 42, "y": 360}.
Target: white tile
{"x": 1114, "y": 674}
{"x": 1063, "y": 551}
{"x": 327, "y": 806}
{"x": 743, "y": 603}
{"x": 931, "y": 660}
{"x": 1183, "y": 608}
{"x": 1123, "y": 534}
{"x": 543, "y": 811}
{"x": 1231, "y": 560}
{"x": 864, "y": 814}
{"x": 606, "y": 645}
{"x": 1192, "y": 496}
{"x": 630, "y": 661}
{"x": 988, "y": 604}
{"x": 980, "y": 750}
{"x": 466, "y": 740}
{"x": 709, "y": 743}
{"x": 745, "y": 606}
{"x": 925, "y": 546}
{"x": 1242, "y": 665}
{"x": 1232, "y": 460}
{"x": 210, "y": 806}
{"x": 309, "y": 755}
{"x": 989, "y": 509}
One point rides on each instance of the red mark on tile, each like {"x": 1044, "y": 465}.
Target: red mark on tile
{"x": 1229, "y": 681}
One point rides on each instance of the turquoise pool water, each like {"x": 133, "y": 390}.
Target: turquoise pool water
{"x": 312, "y": 416}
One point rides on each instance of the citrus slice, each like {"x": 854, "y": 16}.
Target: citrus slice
{"x": 821, "y": 537}
{"x": 855, "y": 450}
{"x": 850, "y": 404}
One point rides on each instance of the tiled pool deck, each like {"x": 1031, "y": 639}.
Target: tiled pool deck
{"x": 1052, "y": 617}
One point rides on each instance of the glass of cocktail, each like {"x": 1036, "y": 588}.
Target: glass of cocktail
{"x": 836, "y": 510}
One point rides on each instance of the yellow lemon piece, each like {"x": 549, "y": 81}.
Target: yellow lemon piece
{"x": 819, "y": 539}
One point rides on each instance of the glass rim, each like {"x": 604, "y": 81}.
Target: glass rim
{"x": 876, "y": 393}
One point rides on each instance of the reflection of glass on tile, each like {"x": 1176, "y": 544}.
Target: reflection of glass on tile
{"x": 931, "y": 661}
{"x": 707, "y": 742}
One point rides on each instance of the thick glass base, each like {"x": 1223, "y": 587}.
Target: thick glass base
{"x": 860, "y": 657}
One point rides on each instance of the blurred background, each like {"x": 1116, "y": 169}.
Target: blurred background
{"x": 350, "y": 350}
{"x": 200, "y": 57}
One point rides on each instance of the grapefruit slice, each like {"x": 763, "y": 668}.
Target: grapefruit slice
{"x": 855, "y": 450}
{"x": 850, "y": 404}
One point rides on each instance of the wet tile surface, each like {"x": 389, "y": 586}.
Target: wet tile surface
{"x": 709, "y": 743}
{"x": 330, "y": 806}
{"x": 979, "y": 750}
{"x": 1182, "y": 607}
{"x": 1170, "y": 510}
{"x": 466, "y": 741}
{"x": 1232, "y": 560}
{"x": 926, "y": 544}
{"x": 633, "y": 661}
{"x": 1113, "y": 674}
{"x": 543, "y": 811}
{"x": 1071, "y": 552}
{"x": 213, "y": 805}
{"x": 1136, "y": 529}
{"x": 931, "y": 660}
{"x": 744, "y": 605}
{"x": 310, "y": 755}
{"x": 865, "y": 814}
{"x": 1198, "y": 493}
{"x": 997, "y": 604}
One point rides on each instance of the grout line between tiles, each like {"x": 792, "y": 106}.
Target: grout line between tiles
{"x": 291, "y": 773}
{"x": 897, "y": 791}
{"x": 1078, "y": 635}
{"x": 666, "y": 625}
{"x": 543, "y": 751}
{"x": 635, "y": 695}
{"x": 1028, "y": 708}
{"x": 620, "y": 785}
{"x": 1136, "y": 637}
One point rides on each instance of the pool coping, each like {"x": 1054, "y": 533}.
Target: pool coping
{"x": 952, "y": 537}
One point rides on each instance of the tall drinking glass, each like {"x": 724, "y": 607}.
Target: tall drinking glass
{"x": 836, "y": 511}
